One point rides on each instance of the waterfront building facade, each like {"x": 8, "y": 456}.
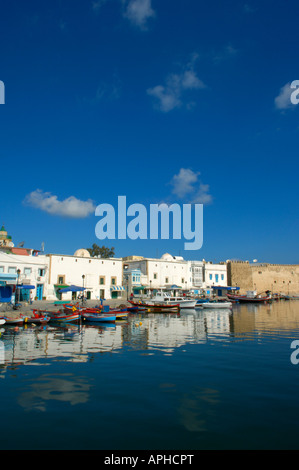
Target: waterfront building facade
{"x": 28, "y": 270}
{"x": 214, "y": 275}
{"x": 161, "y": 273}
{"x": 168, "y": 272}
{"x": 100, "y": 277}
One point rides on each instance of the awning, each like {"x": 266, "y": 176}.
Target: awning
{"x": 8, "y": 277}
{"x": 225, "y": 288}
{"x": 26, "y": 287}
{"x": 138, "y": 287}
{"x": 119, "y": 288}
{"x": 60, "y": 286}
{"x": 72, "y": 289}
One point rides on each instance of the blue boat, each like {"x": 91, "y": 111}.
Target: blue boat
{"x": 99, "y": 317}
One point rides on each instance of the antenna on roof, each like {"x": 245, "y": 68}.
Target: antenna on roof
{"x": 20, "y": 245}
{"x": 43, "y": 246}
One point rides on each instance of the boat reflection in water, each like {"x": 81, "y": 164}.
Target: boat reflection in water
{"x": 144, "y": 332}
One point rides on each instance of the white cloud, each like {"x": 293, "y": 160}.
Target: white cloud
{"x": 186, "y": 185}
{"x": 201, "y": 195}
{"x": 283, "y": 100}
{"x": 70, "y": 207}
{"x": 170, "y": 95}
{"x": 166, "y": 98}
{"x": 139, "y": 12}
{"x": 183, "y": 182}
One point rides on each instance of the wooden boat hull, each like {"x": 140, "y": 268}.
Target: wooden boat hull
{"x": 217, "y": 305}
{"x": 156, "y": 307}
{"x": 66, "y": 318}
{"x": 99, "y": 318}
{"x": 44, "y": 319}
{"x": 62, "y": 317}
{"x": 14, "y": 321}
{"x": 244, "y": 299}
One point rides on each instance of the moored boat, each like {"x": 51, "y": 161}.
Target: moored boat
{"x": 248, "y": 299}
{"x": 13, "y": 321}
{"x": 166, "y": 299}
{"x": 217, "y": 305}
{"x": 37, "y": 317}
{"x": 155, "y": 307}
{"x": 99, "y": 317}
{"x": 61, "y": 316}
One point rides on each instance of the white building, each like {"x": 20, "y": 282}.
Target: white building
{"x": 215, "y": 275}
{"x": 27, "y": 269}
{"x": 42, "y": 276}
{"x": 164, "y": 273}
{"x": 101, "y": 278}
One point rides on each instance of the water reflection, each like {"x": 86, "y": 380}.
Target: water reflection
{"x": 149, "y": 333}
{"x": 63, "y": 388}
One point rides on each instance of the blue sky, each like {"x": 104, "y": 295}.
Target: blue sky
{"x": 170, "y": 100}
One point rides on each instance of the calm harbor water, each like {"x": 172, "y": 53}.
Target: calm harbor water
{"x": 199, "y": 380}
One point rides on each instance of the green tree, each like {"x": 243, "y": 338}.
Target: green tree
{"x": 102, "y": 251}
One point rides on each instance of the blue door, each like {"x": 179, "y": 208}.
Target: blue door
{"x": 39, "y": 291}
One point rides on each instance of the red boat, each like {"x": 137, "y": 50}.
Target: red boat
{"x": 38, "y": 317}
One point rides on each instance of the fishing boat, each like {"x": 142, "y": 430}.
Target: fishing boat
{"x": 200, "y": 302}
{"x": 62, "y": 316}
{"x": 136, "y": 308}
{"x": 217, "y": 305}
{"x": 38, "y": 317}
{"x": 166, "y": 299}
{"x": 247, "y": 299}
{"x": 99, "y": 317}
{"x": 2, "y": 321}
{"x": 156, "y": 308}
{"x": 13, "y": 321}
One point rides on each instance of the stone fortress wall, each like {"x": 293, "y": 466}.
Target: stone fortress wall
{"x": 263, "y": 276}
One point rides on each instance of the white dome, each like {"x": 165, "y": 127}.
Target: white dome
{"x": 82, "y": 253}
{"x": 167, "y": 257}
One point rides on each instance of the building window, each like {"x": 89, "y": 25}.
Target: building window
{"x": 113, "y": 281}
{"x": 216, "y": 277}
{"x": 222, "y": 277}
{"x": 12, "y": 270}
{"x": 1, "y": 269}
{"x": 41, "y": 272}
{"x": 102, "y": 280}
{"x": 102, "y": 294}
{"x": 61, "y": 280}
{"x": 155, "y": 275}
{"x": 166, "y": 280}
{"x": 183, "y": 280}
{"x": 27, "y": 271}
{"x": 211, "y": 277}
